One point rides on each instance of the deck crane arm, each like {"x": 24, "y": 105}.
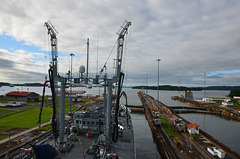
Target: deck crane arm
{"x": 53, "y": 76}
{"x": 53, "y": 34}
{"x": 115, "y": 79}
{"x": 121, "y": 34}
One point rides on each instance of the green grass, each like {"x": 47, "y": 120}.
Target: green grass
{"x": 45, "y": 128}
{"x": 215, "y": 98}
{"x": 24, "y": 119}
{"x": 73, "y": 108}
{"x": 235, "y": 103}
{"x": 28, "y": 118}
{"x": 32, "y": 103}
{"x": 164, "y": 122}
{"x": 4, "y": 108}
{"x": 12, "y": 113}
{"x": 85, "y": 100}
{"x": 172, "y": 132}
{"x": 3, "y": 137}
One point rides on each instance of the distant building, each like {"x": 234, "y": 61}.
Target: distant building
{"x": 236, "y": 97}
{"x": 227, "y": 103}
{"x": 193, "y": 129}
{"x": 188, "y": 94}
{"x": 23, "y": 96}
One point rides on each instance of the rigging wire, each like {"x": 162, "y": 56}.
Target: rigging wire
{"x": 45, "y": 52}
{"x": 97, "y": 52}
{"x": 109, "y": 57}
{"x": 64, "y": 63}
{"x": 49, "y": 49}
{"x": 78, "y": 60}
{"x": 126, "y": 55}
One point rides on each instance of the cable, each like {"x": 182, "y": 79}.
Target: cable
{"x": 77, "y": 61}
{"x": 40, "y": 115}
{"x": 108, "y": 57}
{"x": 63, "y": 62}
{"x": 115, "y": 129}
{"x": 54, "y": 122}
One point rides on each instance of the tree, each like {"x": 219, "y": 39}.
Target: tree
{"x": 234, "y": 92}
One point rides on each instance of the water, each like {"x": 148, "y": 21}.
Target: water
{"x": 224, "y": 130}
{"x": 145, "y": 144}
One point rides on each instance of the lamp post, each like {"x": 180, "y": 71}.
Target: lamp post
{"x": 18, "y": 94}
{"x": 146, "y": 82}
{"x": 204, "y": 81}
{"x": 72, "y": 54}
{"x": 158, "y": 60}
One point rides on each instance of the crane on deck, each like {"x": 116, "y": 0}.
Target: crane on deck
{"x": 55, "y": 78}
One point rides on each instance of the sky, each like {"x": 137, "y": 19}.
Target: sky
{"x": 195, "y": 39}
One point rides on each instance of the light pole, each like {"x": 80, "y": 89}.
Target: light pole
{"x": 158, "y": 60}
{"x": 72, "y": 54}
{"x": 18, "y": 94}
{"x": 146, "y": 82}
{"x": 204, "y": 95}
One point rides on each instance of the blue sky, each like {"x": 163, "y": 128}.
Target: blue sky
{"x": 10, "y": 43}
{"x": 190, "y": 37}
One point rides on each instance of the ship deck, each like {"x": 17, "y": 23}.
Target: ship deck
{"x": 124, "y": 148}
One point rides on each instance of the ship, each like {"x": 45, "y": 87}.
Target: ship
{"x": 103, "y": 130}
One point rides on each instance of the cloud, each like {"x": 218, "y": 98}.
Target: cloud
{"x": 19, "y": 66}
{"x": 190, "y": 37}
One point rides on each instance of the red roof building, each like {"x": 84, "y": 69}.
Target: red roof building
{"x": 23, "y": 96}
{"x": 18, "y": 93}
{"x": 193, "y": 129}
{"x": 193, "y": 125}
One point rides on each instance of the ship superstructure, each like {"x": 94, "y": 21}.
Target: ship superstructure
{"x": 101, "y": 126}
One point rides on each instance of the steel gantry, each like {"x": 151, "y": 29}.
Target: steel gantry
{"x": 107, "y": 82}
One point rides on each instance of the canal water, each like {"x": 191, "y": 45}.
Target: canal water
{"x": 224, "y": 130}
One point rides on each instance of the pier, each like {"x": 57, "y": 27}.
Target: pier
{"x": 136, "y": 108}
{"x": 190, "y": 109}
{"x": 178, "y": 144}
{"x": 213, "y": 108}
